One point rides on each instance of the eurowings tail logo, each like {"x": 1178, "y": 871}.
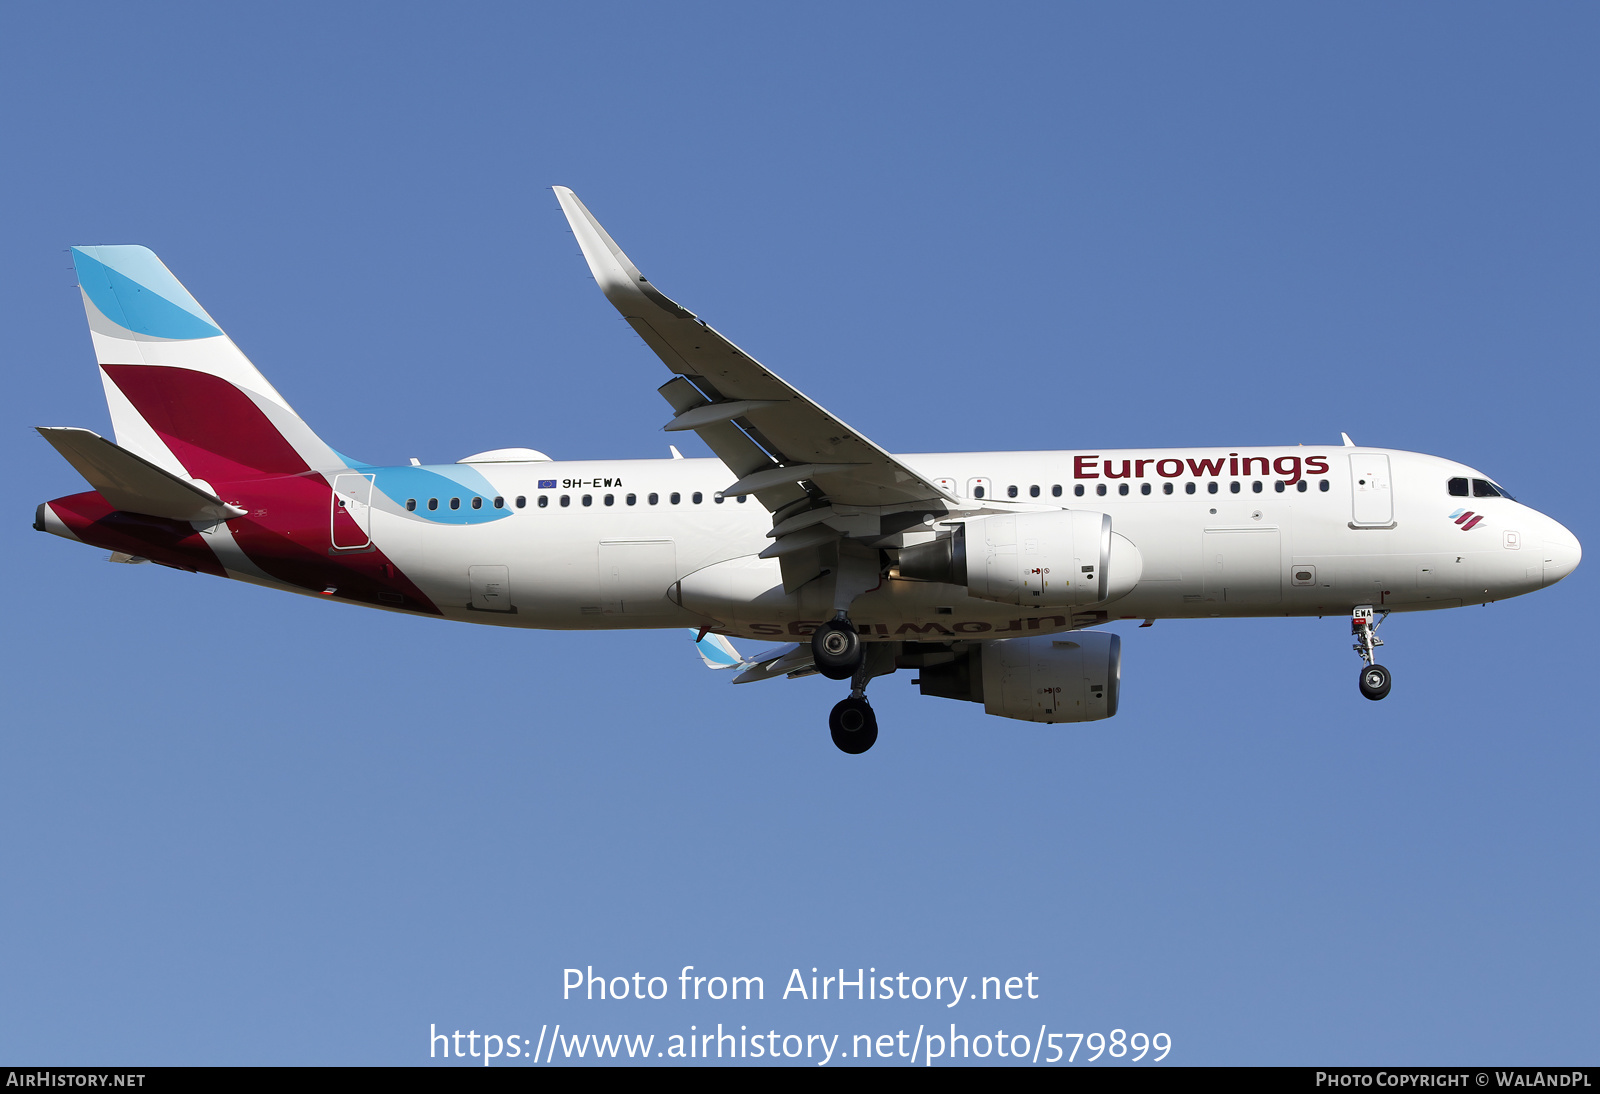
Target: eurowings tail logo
{"x": 1466, "y": 518}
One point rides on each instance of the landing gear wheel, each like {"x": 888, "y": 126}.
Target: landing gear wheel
{"x": 1375, "y": 681}
{"x": 853, "y": 725}
{"x": 836, "y": 650}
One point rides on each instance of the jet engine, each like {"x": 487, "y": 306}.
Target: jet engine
{"x": 1066, "y": 559}
{"x": 1046, "y": 678}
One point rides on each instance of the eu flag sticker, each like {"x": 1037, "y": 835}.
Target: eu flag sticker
{"x": 547, "y": 484}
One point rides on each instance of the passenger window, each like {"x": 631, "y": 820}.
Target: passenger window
{"x": 433, "y": 503}
{"x": 653, "y": 499}
{"x": 566, "y": 500}
{"x": 1033, "y": 491}
{"x": 1188, "y": 488}
{"x": 697, "y": 497}
{"x": 1458, "y": 488}
{"x": 522, "y": 501}
{"x": 675, "y": 498}
{"x": 1055, "y": 491}
{"x": 1323, "y": 486}
{"x": 741, "y": 499}
{"x": 717, "y": 497}
{"x": 411, "y": 505}
{"x": 1211, "y": 488}
{"x": 977, "y": 491}
{"x": 1077, "y": 491}
{"x": 1144, "y": 488}
{"x": 1278, "y": 486}
{"x": 632, "y": 499}
{"x": 1233, "y": 487}
{"x": 610, "y": 499}
{"x": 1482, "y": 488}
{"x": 499, "y": 503}
{"x": 1166, "y": 488}
{"x": 1255, "y": 487}
{"x": 544, "y": 501}
{"x": 1301, "y": 486}
{"x": 1122, "y": 488}
{"x": 588, "y": 499}
{"x": 477, "y": 503}
{"x": 1100, "y": 489}
{"x": 1011, "y": 491}
{"x": 455, "y": 503}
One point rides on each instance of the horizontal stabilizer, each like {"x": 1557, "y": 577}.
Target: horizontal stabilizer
{"x": 133, "y": 484}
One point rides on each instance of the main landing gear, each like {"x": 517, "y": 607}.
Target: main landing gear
{"x": 1375, "y": 679}
{"x": 836, "y": 648}
{"x": 840, "y": 654}
{"x": 853, "y": 725}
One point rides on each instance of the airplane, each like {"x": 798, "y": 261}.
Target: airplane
{"x": 987, "y": 573}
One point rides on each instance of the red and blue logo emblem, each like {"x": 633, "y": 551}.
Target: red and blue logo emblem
{"x": 1466, "y": 518}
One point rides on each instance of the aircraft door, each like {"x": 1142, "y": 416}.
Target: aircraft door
{"x": 491, "y": 588}
{"x": 636, "y": 574}
{"x": 1373, "y": 504}
{"x": 1243, "y": 566}
{"x": 351, "y": 511}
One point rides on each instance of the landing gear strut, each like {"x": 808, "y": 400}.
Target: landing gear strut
{"x": 1375, "y": 679}
{"x": 836, "y": 648}
{"x": 852, "y": 723}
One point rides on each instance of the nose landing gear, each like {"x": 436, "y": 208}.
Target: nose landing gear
{"x": 1375, "y": 679}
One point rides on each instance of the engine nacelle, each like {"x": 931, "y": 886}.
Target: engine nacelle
{"x": 1069, "y": 558}
{"x": 1066, "y": 678}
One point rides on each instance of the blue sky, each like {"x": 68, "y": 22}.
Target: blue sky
{"x": 240, "y": 827}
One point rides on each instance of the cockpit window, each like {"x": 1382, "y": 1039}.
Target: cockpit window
{"x": 1483, "y": 488}
{"x": 1458, "y": 488}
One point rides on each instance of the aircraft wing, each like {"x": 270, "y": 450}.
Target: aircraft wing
{"x": 781, "y": 446}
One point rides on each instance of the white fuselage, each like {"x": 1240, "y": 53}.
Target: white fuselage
{"x": 1374, "y": 526}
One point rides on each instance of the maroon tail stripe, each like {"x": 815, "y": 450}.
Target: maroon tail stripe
{"x": 214, "y": 429}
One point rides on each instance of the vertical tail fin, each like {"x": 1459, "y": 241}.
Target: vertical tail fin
{"x": 181, "y": 394}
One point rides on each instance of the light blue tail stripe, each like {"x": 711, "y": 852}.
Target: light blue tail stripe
{"x": 134, "y": 290}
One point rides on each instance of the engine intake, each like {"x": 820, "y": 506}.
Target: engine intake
{"x": 1065, "y": 559}
{"x": 1040, "y": 679}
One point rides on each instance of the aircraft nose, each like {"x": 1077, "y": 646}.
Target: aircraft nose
{"x": 1562, "y": 553}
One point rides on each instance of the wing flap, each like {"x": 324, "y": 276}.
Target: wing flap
{"x": 792, "y": 660}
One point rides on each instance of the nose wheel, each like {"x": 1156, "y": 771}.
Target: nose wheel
{"x": 1375, "y": 679}
{"x": 1374, "y": 682}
